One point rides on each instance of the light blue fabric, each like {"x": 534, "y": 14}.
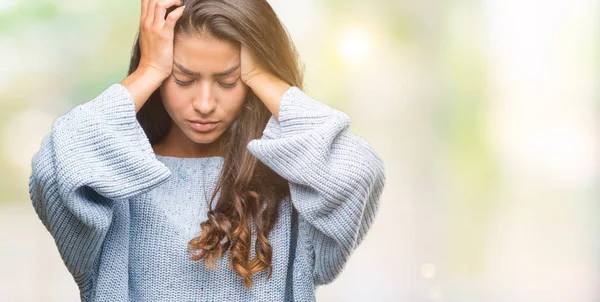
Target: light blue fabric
{"x": 122, "y": 216}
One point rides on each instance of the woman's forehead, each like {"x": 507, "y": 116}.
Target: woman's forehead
{"x": 205, "y": 55}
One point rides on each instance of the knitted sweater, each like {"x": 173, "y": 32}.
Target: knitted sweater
{"x": 121, "y": 216}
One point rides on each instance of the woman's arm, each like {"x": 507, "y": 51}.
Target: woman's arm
{"x": 142, "y": 83}
{"x": 336, "y": 178}
{"x": 269, "y": 89}
{"x": 95, "y": 156}
{"x": 98, "y": 156}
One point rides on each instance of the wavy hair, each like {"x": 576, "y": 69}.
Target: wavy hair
{"x": 250, "y": 192}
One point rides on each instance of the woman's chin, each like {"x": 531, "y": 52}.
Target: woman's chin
{"x": 203, "y": 138}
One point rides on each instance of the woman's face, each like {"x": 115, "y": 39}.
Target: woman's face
{"x": 205, "y": 86}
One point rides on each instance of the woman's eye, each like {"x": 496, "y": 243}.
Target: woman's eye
{"x": 224, "y": 85}
{"x": 181, "y": 83}
{"x": 228, "y": 86}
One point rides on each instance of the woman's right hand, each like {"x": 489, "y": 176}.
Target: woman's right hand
{"x": 156, "y": 49}
{"x": 156, "y": 34}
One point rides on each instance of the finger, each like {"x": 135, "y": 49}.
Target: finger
{"x": 144, "y": 10}
{"x": 160, "y": 10}
{"x": 173, "y": 17}
{"x": 150, "y": 12}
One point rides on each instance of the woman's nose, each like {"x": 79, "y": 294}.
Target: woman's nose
{"x": 204, "y": 98}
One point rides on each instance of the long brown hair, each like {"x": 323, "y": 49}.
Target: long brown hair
{"x": 250, "y": 191}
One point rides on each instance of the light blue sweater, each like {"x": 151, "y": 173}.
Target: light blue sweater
{"x": 122, "y": 216}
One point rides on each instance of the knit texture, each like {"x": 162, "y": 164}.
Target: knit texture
{"x": 121, "y": 216}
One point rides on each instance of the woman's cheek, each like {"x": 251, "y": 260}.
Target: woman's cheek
{"x": 171, "y": 98}
{"x": 242, "y": 92}
{"x": 238, "y": 104}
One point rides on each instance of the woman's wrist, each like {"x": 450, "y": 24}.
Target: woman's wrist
{"x": 142, "y": 83}
{"x": 269, "y": 89}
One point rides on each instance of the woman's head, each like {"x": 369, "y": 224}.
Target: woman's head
{"x": 205, "y": 86}
{"x": 207, "y": 41}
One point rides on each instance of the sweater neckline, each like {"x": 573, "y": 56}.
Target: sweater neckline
{"x": 208, "y": 158}
{"x": 191, "y": 164}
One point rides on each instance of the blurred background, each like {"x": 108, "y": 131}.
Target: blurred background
{"x": 486, "y": 114}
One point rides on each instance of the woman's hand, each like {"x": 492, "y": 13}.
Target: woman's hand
{"x": 266, "y": 86}
{"x": 250, "y": 67}
{"x": 156, "y": 35}
{"x": 156, "y": 49}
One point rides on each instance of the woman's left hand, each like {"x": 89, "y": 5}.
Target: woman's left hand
{"x": 265, "y": 85}
{"x": 250, "y": 67}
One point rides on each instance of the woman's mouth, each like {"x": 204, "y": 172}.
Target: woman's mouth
{"x": 203, "y": 126}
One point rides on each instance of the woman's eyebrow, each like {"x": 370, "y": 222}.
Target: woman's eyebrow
{"x": 197, "y": 74}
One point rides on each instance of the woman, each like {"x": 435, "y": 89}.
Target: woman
{"x": 212, "y": 106}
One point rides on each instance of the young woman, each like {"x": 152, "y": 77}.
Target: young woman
{"x": 207, "y": 174}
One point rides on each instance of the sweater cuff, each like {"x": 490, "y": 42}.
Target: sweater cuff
{"x": 302, "y": 137}
{"x": 299, "y": 113}
{"x": 102, "y": 145}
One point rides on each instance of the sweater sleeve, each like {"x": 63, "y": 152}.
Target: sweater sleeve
{"x": 95, "y": 155}
{"x": 335, "y": 177}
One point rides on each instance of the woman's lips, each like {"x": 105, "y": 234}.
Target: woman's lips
{"x": 203, "y": 127}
